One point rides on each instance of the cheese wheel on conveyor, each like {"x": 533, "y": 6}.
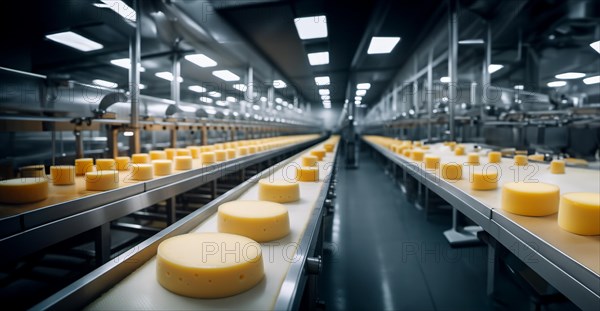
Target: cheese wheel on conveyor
{"x": 432, "y": 162}
{"x": 23, "y": 190}
{"x": 194, "y": 151}
{"x": 557, "y": 167}
{"x": 106, "y": 164}
{"x": 328, "y": 147}
{"x": 320, "y": 154}
{"x": 207, "y": 148}
{"x": 417, "y": 155}
{"x": 83, "y": 166}
{"x": 309, "y": 160}
{"x": 231, "y": 154}
{"x": 472, "y": 159}
{"x": 536, "y": 157}
{"x": 183, "y": 152}
{"x": 209, "y": 265}
{"x": 158, "y": 155}
{"x": 171, "y": 152}
{"x": 520, "y": 160}
{"x": 579, "y": 213}
{"x": 459, "y": 150}
{"x": 484, "y": 180}
{"x": 142, "y": 171}
{"x": 122, "y": 163}
{"x": 38, "y": 170}
{"x": 162, "y": 167}
{"x": 261, "y": 221}
{"x": 183, "y": 163}
{"x": 451, "y": 171}
{"x": 307, "y": 173}
{"x": 62, "y": 174}
{"x": 407, "y": 152}
{"x": 140, "y": 158}
{"x": 220, "y": 155}
{"x": 251, "y": 149}
{"x": 102, "y": 180}
{"x": 208, "y": 157}
{"x": 530, "y": 199}
{"x": 280, "y": 191}
{"x": 494, "y": 157}
{"x": 242, "y": 151}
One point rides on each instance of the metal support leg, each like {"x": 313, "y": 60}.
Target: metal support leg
{"x": 102, "y": 243}
{"x": 171, "y": 211}
{"x": 492, "y": 266}
{"x": 461, "y": 236}
{"x": 213, "y": 188}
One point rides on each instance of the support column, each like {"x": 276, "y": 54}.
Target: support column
{"x": 134, "y": 81}
{"x": 452, "y": 64}
{"x": 429, "y": 92}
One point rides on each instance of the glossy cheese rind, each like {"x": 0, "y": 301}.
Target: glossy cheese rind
{"x": 122, "y": 163}
{"x": 530, "y": 199}
{"x": 162, "y": 167}
{"x": 472, "y": 159}
{"x": 579, "y": 213}
{"x": 520, "y": 160}
{"x": 183, "y": 163}
{"x": 557, "y": 167}
{"x": 23, "y": 190}
{"x": 208, "y": 157}
{"x": 417, "y": 155}
{"x": 220, "y": 155}
{"x": 140, "y": 158}
{"x": 432, "y": 162}
{"x": 280, "y": 191}
{"x": 307, "y": 173}
{"x": 83, "y": 166}
{"x": 494, "y": 157}
{"x": 209, "y": 265}
{"x": 484, "y": 179}
{"x": 62, "y": 174}
{"x": 158, "y": 155}
{"x": 106, "y": 164}
{"x": 261, "y": 221}
{"x": 309, "y": 160}
{"x": 102, "y": 180}
{"x": 142, "y": 171}
{"x": 451, "y": 171}
{"x": 231, "y": 154}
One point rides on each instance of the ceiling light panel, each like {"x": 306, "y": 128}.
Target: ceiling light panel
{"x": 311, "y": 27}
{"x": 382, "y": 45}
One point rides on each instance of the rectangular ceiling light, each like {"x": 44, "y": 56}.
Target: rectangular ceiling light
{"x": 201, "y": 60}
{"x": 324, "y": 92}
{"x": 445, "y": 80}
{"x": 494, "y": 67}
{"x": 361, "y": 92}
{"x": 357, "y": 102}
{"x": 359, "y": 98}
{"x": 570, "y": 75}
{"x": 279, "y": 84}
{"x": 556, "y": 83}
{"x": 214, "y": 94}
{"x": 231, "y": 99}
{"x": 221, "y": 103}
{"x": 592, "y": 80}
{"x": 311, "y": 27}
{"x": 120, "y": 8}
{"x": 207, "y": 100}
{"x": 197, "y": 89}
{"x": 595, "y": 46}
{"x": 125, "y": 63}
{"x": 142, "y": 86}
{"x": 363, "y": 86}
{"x": 240, "y": 87}
{"x": 75, "y": 41}
{"x": 382, "y": 45}
{"x": 319, "y": 58}
{"x": 226, "y": 75}
{"x": 167, "y": 76}
{"x": 324, "y": 80}
{"x": 325, "y": 97}
{"x": 471, "y": 41}
{"x": 104, "y": 83}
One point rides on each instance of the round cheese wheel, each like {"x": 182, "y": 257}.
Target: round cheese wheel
{"x": 557, "y": 167}
{"x": 183, "y": 163}
{"x": 579, "y": 213}
{"x": 209, "y": 265}
{"x": 183, "y": 152}
{"x": 407, "y": 152}
{"x": 242, "y": 151}
{"x": 162, "y": 167}
{"x": 484, "y": 180}
{"x": 252, "y": 149}
{"x": 62, "y": 174}
{"x": 83, "y": 166}
{"x": 472, "y": 159}
{"x": 320, "y": 154}
{"x": 307, "y": 173}
{"x": 417, "y": 155}
{"x": 231, "y": 154}
{"x": 171, "y": 152}
{"x": 102, "y": 180}
{"x": 494, "y": 157}
{"x": 158, "y": 155}
{"x": 451, "y": 171}
{"x": 208, "y": 157}
{"x": 38, "y": 170}
{"x": 280, "y": 191}
{"x": 140, "y": 158}
{"x": 220, "y": 155}
{"x": 310, "y": 160}
{"x": 530, "y": 199}
{"x": 261, "y": 221}
{"x": 142, "y": 171}
{"x": 536, "y": 157}
{"x": 106, "y": 164}
{"x": 520, "y": 160}
{"x": 23, "y": 190}
{"x": 328, "y": 147}
{"x": 432, "y": 162}
{"x": 122, "y": 163}
{"x": 194, "y": 151}
{"x": 459, "y": 150}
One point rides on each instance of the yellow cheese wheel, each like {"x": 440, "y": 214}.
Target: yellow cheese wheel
{"x": 407, "y": 152}
{"x": 280, "y": 191}
{"x": 328, "y": 147}
{"x": 424, "y": 147}
{"x": 38, "y": 170}
{"x": 162, "y": 167}
{"x": 261, "y": 221}
{"x": 83, "y": 166}
{"x": 459, "y": 150}
{"x": 208, "y": 157}
{"x": 140, "y": 158}
{"x": 472, "y": 159}
{"x": 209, "y": 265}
{"x": 307, "y": 173}
{"x": 171, "y": 153}
{"x": 106, "y": 164}
{"x": 530, "y": 199}
{"x": 520, "y": 160}
{"x": 484, "y": 179}
{"x": 23, "y": 190}
{"x": 536, "y": 157}
{"x": 142, "y": 171}
{"x": 451, "y": 171}
{"x": 122, "y": 163}
{"x": 218, "y": 146}
{"x": 577, "y": 162}
{"x": 158, "y": 155}
{"x": 494, "y": 157}
{"x": 417, "y": 155}
{"x": 579, "y": 213}
{"x": 252, "y": 149}
{"x": 242, "y": 151}
{"x": 183, "y": 163}
{"x": 207, "y": 148}
{"x": 183, "y": 152}
{"x": 417, "y": 143}
{"x": 102, "y": 180}
{"x": 557, "y": 167}
{"x": 432, "y": 162}
{"x": 320, "y": 154}
{"x": 231, "y": 154}
{"x": 310, "y": 160}
{"x": 220, "y": 155}
{"x": 62, "y": 174}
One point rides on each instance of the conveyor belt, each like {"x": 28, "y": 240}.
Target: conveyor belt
{"x": 570, "y": 262}
{"x": 284, "y": 259}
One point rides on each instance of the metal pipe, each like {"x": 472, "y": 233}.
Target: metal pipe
{"x": 486, "y": 82}
{"x": 452, "y": 63}
{"x": 429, "y": 92}
{"x": 176, "y": 71}
{"x": 249, "y": 88}
{"x": 270, "y": 99}
{"x": 134, "y": 81}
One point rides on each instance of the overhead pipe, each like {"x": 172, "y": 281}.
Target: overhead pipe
{"x": 452, "y": 64}
{"x": 134, "y": 81}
